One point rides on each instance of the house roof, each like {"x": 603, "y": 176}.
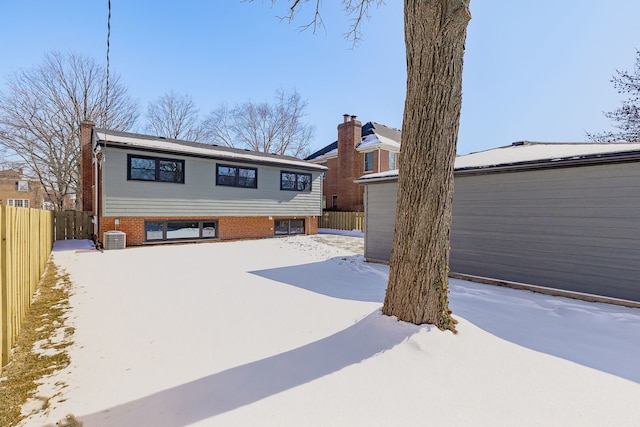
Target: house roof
{"x": 374, "y": 135}
{"x": 195, "y": 149}
{"x": 533, "y": 155}
{"x": 15, "y": 174}
{"x": 323, "y": 151}
{"x": 382, "y": 130}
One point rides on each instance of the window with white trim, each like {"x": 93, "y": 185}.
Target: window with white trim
{"x": 368, "y": 161}
{"x": 22, "y": 185}
{"x": 18, "y": 203}
{"x": 392, "y": 161}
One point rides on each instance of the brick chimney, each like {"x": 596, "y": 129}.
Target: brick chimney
{"x": 86, "y": 167}
{"x": 350, "y": 164}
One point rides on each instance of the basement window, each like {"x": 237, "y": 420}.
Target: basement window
{"x": 180, "y": 230}
{"x": 284, "y": 227}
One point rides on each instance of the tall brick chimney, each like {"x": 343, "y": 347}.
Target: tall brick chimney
{"x": 86, "y": 167}
{"x": 350, "y": 165}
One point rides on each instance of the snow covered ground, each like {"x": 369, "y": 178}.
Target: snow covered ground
{"x": 288, "y": 332}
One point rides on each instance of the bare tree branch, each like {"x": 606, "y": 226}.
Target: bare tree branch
{"x": 174, "y": 116}
{"x": 357, "y": 9}
{"x": 40, "y": 117}
{"x": 270, "y": 128}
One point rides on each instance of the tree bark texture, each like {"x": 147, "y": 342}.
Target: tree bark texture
{"x": 435, "y": 33}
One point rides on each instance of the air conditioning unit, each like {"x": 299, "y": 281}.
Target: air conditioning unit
{"x": 115, "y": 240}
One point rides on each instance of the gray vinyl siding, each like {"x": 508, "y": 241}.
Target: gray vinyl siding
{"x": 199, "y": 195}
{"x": 574, "y": 228}
{"x": 380, "y": 211}
{"x": 568, "y": 228}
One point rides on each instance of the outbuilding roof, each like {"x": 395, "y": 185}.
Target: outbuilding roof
{"x": 195, "y": 149}
{"x": 527, "y": 155}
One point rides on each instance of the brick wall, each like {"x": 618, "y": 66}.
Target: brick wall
{"x": 350, "y": 165}
{"x": 229, "y": 228}
{"x": 9, "y": 189}
{"x": 330, "y": 182}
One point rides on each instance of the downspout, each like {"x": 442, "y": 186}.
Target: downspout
{"x": 96, "y": 228}
{"x": 379, "y": 170}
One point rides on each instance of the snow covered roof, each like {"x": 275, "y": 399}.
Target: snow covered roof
{"x": 526, "y": 154}
{"x": 374, "y": 136}
{"x": 187, "y": 148}
{"x": 374, "y": 141}
{"x": 330, "y": 150}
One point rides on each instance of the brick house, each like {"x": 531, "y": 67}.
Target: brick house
{"x": 17, "y": 189}
{"x": 160, "y": 190}
{"x": 359, "y": 150}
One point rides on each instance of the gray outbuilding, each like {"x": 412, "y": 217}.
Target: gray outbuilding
{"x": 563, "y": 216}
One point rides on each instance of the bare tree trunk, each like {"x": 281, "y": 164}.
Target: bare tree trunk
{"x": 435, "y": 33}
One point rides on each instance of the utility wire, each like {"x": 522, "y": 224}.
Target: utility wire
{"x": 106, "y": 95}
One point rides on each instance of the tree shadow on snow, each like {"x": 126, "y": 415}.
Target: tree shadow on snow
{"x": 582, "y": 332}
{"x": 242, "y": 385}
{"x": 345, "y": 277}
{"x": 600, "y": 336}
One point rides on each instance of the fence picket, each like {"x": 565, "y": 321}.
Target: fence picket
{"x": 26, "y": 239}
{"x": 71, "y": 225}
{"x": 342, "y": 220}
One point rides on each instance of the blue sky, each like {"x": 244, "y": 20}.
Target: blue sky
{"x": 534, "y": 70}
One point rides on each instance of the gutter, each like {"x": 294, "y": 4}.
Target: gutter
{"x": 292, "y": 165}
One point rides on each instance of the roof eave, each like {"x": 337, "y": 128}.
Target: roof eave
{"x": 593, "y": 159}
{"x": 301, "y": 164}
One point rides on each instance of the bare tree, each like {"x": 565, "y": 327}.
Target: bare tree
{"x": 276, "y": 127}
{"x": 435, "y": 35}
{"x": 174, "y": 116}
{"x": 627, "y": 117}
{"x": 41, "y": 111}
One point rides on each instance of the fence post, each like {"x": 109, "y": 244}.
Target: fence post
{"x": 4, "y": 348}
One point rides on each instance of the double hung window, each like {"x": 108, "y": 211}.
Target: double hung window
{"x": 392, "y": 161}
{"x": 368, "y": 161}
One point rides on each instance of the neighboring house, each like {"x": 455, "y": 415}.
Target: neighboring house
{"x": 158, "y": 190}
{"x": 564, "y": 216}
{"x": 359, "y": 150}
{"x": 17, "y": 189}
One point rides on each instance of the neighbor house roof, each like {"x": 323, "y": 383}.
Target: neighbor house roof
{"x": 195, "y": 149}
{"x": 528, "y": 155}
{"x": 374, "y": 136}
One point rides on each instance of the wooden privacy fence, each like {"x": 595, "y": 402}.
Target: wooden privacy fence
{"x": 71, "y": 225}
{"x": 26, "y": 239}
{"x": 342, "y": 220}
